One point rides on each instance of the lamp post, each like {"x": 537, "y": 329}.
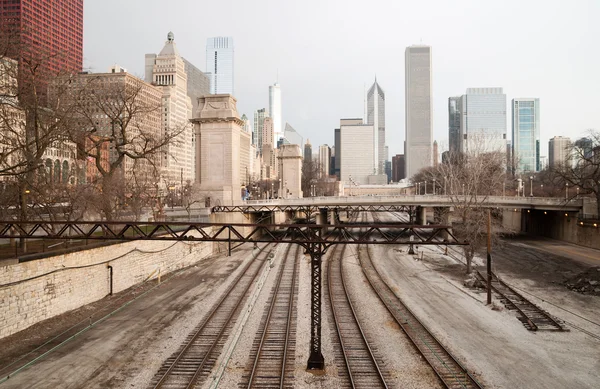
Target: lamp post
{"x": 577, "y": 192}
{"x": 434, "y": 186}
{"x": 530, "y": 186}
{"x": 567, "y": 191}
{"x": 418, "y": 188}
{"x": 425, "y": 188}
{"x": 463, "y": 185}
{"x": 445, "y": 186}
{"x": 503, "y": 189}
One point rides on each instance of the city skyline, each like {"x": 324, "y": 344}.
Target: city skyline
{"x": 461, "y": 59}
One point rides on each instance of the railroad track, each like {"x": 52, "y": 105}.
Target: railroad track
{"x": 452, "y": 374}
{"x": 198, "y": 354}
{"x": 533, "y": 317}
{"x": 271, "y": 362}
{"x": 361, "y": 365}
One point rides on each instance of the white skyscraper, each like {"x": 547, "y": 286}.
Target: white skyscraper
{"x": 376, "y": 118}
{"x": 418, "y": 113}
{"x": 483, "y": 120}
{"x": 219, "y": 63}
{"x": 275, "y": 109}
{"x": 167, "y": 70}
{"x": 356, "y": 151}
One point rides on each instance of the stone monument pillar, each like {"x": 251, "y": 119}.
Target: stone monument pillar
{"x": 290, "y": 171}
{"x": 222, "y": 150}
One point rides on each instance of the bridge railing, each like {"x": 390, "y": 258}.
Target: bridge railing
{"x": 420, "y": 199}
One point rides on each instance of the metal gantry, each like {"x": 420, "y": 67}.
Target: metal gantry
{"x": 316, "y": 239}
{"x": 311, "y": 209}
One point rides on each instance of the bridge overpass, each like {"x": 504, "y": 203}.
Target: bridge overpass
{"x": 427, "y": 201}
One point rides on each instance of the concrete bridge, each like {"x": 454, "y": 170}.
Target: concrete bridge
{"x": 428, "y": 201}
{"x": 558, "y": 218}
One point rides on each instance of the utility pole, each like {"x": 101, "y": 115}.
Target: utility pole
{"x": 489, "y": 257}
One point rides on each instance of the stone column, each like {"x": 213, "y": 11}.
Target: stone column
{"x": 222, "y": 150}
{"x": 290, "y": 171}
{"x": 421, "y": 216}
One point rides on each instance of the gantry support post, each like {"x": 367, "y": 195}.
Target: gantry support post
{"x": 315, "y": 359}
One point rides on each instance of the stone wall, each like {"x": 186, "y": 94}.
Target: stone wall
{"x": 37, "y": 290}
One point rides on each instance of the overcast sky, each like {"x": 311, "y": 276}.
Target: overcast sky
{"x": 327, "y": 51}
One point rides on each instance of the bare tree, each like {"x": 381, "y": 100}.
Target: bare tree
{"x": 468, "y": 181}
{"x": 582, "y": 167}
{"x": 122, "y": 113}
{"x": 29, "y": 123}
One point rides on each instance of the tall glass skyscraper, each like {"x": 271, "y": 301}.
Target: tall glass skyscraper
{"x": 219, "y": 63}
{"x": 376, "y": 117}
{"x": 275, "y": 109}
{"x": 483, "y": 120}
{"x": 526, "y": 134}
{"x": 454, "y": 112}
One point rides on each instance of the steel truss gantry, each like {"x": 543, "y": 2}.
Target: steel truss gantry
{"x": 310, "y": 209}
{"x": 315, "y": 238}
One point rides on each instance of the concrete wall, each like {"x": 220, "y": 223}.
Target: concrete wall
{"x": 561, "y": 226}
{"x": 37, "y": 290}
{"x": 511, "y": 219}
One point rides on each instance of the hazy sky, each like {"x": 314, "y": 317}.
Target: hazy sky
{"x": 327, "y": 51}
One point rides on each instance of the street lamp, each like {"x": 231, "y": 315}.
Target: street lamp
{"x": 542, "y": 189}
{"x": 418, "y": 188}
{"x": 434, "y": 186}
{"x": 577, "y": 192}
{"x": 444, "y": 186}
{"x": 567, "y": 191}
{"x": 530, "y": 186}
{"x": 463, "y": 185}
{"x": 425, "y": 187}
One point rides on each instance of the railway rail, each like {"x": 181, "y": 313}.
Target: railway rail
{"x": 272, "y": 356}
{"x": 198, "y": 354}
{"x": 451, "y": 372}
{"x": 362, "y": 366}
{"x": 533, "y": 317}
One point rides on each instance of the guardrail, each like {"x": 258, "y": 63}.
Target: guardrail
{"x": 420, "y": 199}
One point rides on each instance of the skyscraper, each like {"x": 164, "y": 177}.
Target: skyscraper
{"x": 167, "y": 70}
{"x": 418, "y": 105}
{"x": 257, "y": 136}
{"x": 307, "y": 151}
{"x": 275, "y": 109}
{"x": 324, "y": 158}
{"x": 219, "y": 63}
{"x": 292, "y": 136}
{"x": 355, "y": 151}
{"x": 50, "y": 29}
{"x": 198, "y": 83}
{"x": 558, "y": 151}
{"x": 268, "y": 137}
{"x": 526, "y": 134}
{"x": 398, "y": 168}
{"x": 376, "y": 118}
{"x": 483, "y": 120}
{"x": 454, "y": 112}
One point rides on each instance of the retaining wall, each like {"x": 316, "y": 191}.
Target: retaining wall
{"x": 37, "y": 290}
